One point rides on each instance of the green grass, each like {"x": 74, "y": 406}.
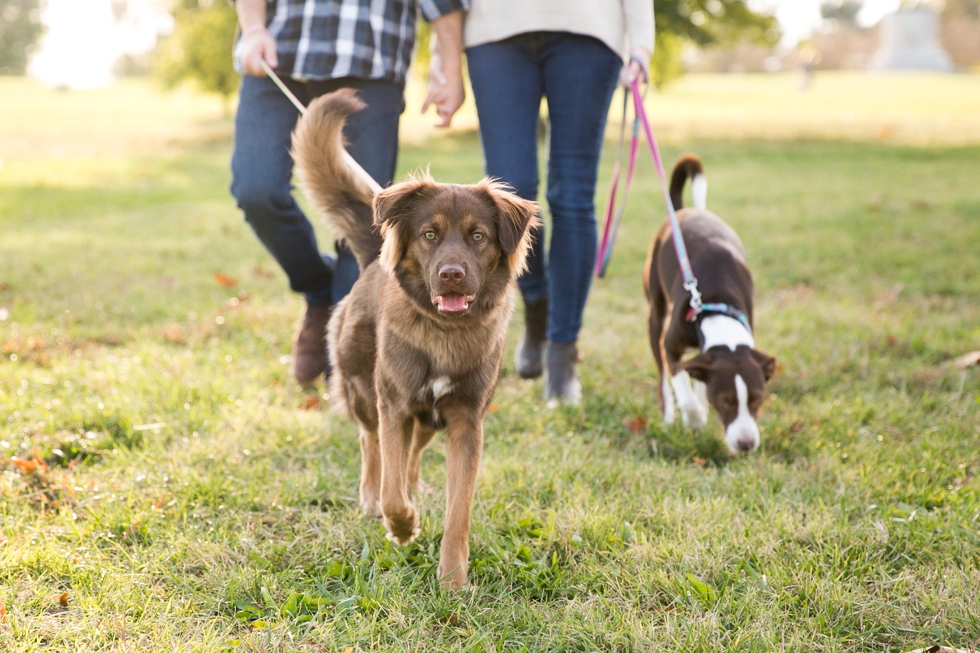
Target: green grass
{"x": 191, "y": 504}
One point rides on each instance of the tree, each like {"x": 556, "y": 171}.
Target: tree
{"x": 843, "y": 11}
{"x": 704, "y": 23}
{"x": 199, "y": 49}
{"x": 20, "y": 28}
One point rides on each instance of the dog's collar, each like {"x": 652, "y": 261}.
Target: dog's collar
{"x": 717, "y": 309}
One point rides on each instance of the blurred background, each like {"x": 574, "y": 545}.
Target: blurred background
{"x": 724, "y": 68}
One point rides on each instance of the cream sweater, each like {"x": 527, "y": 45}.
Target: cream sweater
{"x": 620, "y": 24}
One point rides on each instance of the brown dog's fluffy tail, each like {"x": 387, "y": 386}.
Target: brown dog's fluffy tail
{"x": 325, "y": 178}
{"x": 689, "y": 167}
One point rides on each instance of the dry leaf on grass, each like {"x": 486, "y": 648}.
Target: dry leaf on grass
{"x": 889, "y": 297}
{"x": 637, "y": 425}
{"x": 310, "y": 403}
{"x": 943, "y": 649}
{"x": 225, "y": 280}
{"x": 63, "y": 599}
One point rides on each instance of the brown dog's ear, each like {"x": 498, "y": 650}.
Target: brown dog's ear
{"x": 394, "y": 205}
{"x": 697, "y": 367}
{"x": 767, "y": 362}
{"x": 516, "y": 219}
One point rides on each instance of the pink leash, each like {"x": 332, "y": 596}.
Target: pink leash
{"x": 690, "y": 282}
{"x": 611, "y": 230}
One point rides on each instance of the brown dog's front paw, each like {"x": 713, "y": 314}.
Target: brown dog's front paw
{"x": 452, "y": 578}
{"x": 402, "y": 525}
{"x": 370, "y": 505}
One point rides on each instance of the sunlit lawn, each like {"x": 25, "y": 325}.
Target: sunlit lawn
{"x": 165, "y": 486}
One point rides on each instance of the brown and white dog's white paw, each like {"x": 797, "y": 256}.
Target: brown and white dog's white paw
{"x": 693, "y": 413}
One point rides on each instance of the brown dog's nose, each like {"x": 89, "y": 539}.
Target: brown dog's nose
{"x": 452, "y": 274}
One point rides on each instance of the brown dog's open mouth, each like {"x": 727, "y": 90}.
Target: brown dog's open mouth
{"x": 452, "y": 302}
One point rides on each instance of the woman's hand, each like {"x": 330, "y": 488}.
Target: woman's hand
{"x": 446, "y": 93}
{"x": 633, "y": 70}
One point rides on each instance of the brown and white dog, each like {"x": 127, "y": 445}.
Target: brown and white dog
{"x": 728, "y": 372}
{"x": 416, "y": 345}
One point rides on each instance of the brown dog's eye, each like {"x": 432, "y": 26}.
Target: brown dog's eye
{"x": 430, "y": 235}
{"x": 478, "y": 236}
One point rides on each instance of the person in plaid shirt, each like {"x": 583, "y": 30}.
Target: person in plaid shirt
{"x": 316, "y": 47}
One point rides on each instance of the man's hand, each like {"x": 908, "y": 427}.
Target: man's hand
{"x": 257, "y": 46}
{"x": 446, "y": 68}
{"x": 633, "y": 71}
{"x": 257, "y": 43}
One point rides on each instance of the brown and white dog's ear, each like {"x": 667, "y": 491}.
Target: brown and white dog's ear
{"x": 766, "y": 362}
{"x": 392, "y": 207}
{"x": 516, "y": 220}
{"x": 696, "y": 367}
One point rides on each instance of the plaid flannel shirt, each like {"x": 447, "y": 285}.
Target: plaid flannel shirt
{"x": 330, "y": 39}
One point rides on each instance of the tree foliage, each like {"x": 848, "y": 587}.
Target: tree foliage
{"x": 199, "y": 49}
{"x": 20, "y": 28}
{"x": 704, "y": 23}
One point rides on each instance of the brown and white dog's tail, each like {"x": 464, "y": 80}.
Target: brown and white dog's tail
{"x": 326, "y": 180}
{"x": 689, "y": 167}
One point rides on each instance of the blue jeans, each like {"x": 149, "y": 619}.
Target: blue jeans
{"x": 262, "y": 170}
{"x": 577, "y": 74}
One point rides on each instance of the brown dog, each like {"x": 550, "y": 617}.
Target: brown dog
{"x": 728, "y": 372}
{"x": 416, "y": 345}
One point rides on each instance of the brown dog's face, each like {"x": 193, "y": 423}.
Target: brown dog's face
{"x": 736, "y": 387}
{"x": 454, "y": 249}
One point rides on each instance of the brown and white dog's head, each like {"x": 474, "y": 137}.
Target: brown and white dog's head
{"x": 736, "y": 387}
{"x": 454, "y": 249}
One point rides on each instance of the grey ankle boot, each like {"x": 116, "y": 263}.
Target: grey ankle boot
{"x": 561, "y": 384}
{"x": 528, "y": 357}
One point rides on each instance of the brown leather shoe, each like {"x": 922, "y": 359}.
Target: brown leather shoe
{"x": 310, "y": 344}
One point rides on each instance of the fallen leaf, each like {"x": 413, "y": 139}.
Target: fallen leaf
{"x": 891, "y": 340}
{"x": 63, "y": 599}
{"x": 699, "y": 460}
{"x": 260, "y": 271}
{"x": 25, "y": 466}
{"x": 310, "y": 403}
{"x": 225, "y": 280}
{"x": 889, "y": 297}
{"x": 637, "y": 425}
{"x": 968, "y": 360}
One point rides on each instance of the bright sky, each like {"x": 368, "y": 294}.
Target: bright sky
{"x": 83, "y": 39}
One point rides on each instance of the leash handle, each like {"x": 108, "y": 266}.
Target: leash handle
{"x": 348, "y": 159}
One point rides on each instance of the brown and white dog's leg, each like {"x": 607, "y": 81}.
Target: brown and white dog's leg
{"x": 668, "y": 399}
{"x": 465, "y": 430}
{"x": 370, "y": 473}
{"x": 693, "y": 413}
{"x": 395, "y": 435}
{"x": 421, "y": 437}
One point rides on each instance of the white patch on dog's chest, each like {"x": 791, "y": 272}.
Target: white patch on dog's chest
{"x": 439, "y": 387}
{"x": 724, "y": 331}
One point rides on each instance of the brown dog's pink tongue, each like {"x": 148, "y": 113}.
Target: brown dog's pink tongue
{"x": 453, "y": 302}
